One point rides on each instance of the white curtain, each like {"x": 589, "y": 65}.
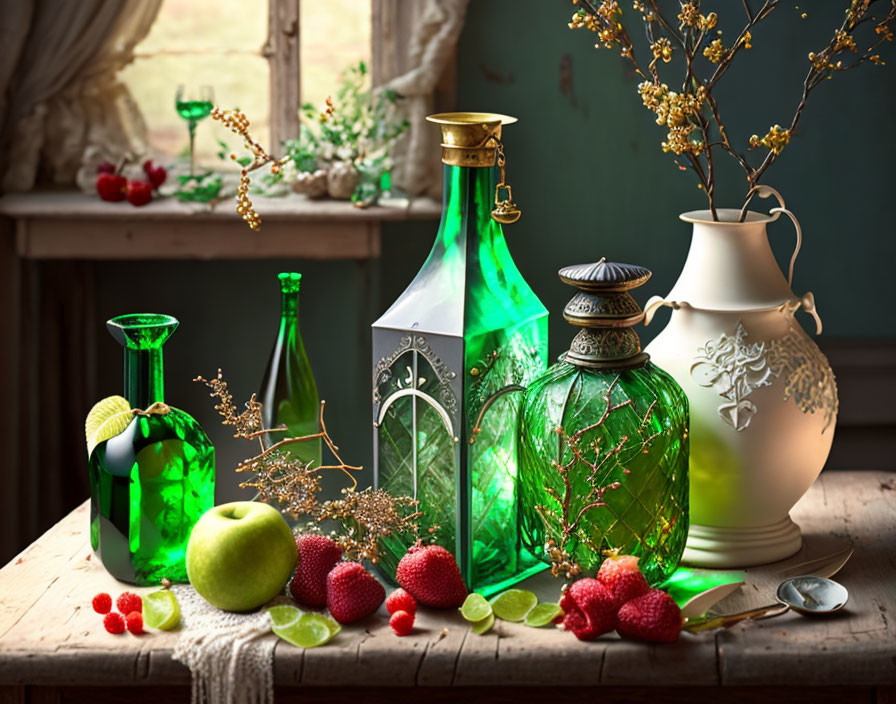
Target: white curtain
{"x": 61, "y": 102}
{"x": 417, "y": 43}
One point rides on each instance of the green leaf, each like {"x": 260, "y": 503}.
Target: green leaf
{"x": 108, "y": 418}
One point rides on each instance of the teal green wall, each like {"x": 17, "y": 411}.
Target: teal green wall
{"x": 588, "y": 172}
{"x": 586, "y": 168}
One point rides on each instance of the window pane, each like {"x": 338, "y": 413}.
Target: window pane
{"x": 334, "y": 35}
{"x": 195, "y": 43}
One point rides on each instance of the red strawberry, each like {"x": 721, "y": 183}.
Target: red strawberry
{"x": 139, "y": 192}
{"x": 111, "y": 187}
{"x": 155, "y": 174}
{"x": 589, "y": 609}
{"x": 402, "y": 623}
{"x": 623, "y": 578}
{"x": 430, "y": 574}
{"x": 654, "y": 617}
{"x": 317, "y": 555}
{"x": 400, "y": 600}
{"x": 352, "y": 592}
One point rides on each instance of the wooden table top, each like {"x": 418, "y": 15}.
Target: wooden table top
{"x": 49, "y": 634}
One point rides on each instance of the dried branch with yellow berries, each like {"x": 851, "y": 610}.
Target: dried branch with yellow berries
{"x": 691, "y": 116}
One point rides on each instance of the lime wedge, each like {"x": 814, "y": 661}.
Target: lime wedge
{"x": 309, "y": 631}
{"x": 475, "y": 608}
{"x": 160, "y": 610}
{"x": 542, "y": 614}
{"x": 107, "y": 419}
{"x": 284, "y": 615}
{"x": 514, "y": 604}
{"x": 480, "y": 628}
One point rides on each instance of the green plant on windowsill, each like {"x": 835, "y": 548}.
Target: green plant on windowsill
{"x": 347, "y": 145}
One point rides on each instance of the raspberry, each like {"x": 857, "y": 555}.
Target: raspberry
{"x": 589, "y": 609}
{"x": 102, "y": 603}
{"x": 400, "y": 600}
{"x": 654, "y": 617}
{"x": 402, "y": 623}
{"x": 623, "y": 578}
{"x": 134, "y": 622}
{"x": 114, "y": 623}
{"x": 128, "y": 602}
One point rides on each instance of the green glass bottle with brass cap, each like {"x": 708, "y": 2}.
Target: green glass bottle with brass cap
{"x": 603, "y": 439}
{"x": 450, "y": 359}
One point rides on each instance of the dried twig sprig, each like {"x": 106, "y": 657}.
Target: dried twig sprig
{"x": 564, "y": 522}
{"x": 367, "y": 517}
{"x": 245, "y": 424}
{"x": 238, "y": 123}
{"x": 691, "y": 114}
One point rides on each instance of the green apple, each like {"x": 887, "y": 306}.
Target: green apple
{"x": 240, "y": 555}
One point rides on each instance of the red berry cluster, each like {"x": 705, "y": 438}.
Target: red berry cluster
{"x": 112, "y": 186}
{"x": 402, "y": 608}
{"x": 428, "y": 574}
{"x": 128, "y": 617}
{"x": 619, "y": 597}
{"x": 321, "y": 579}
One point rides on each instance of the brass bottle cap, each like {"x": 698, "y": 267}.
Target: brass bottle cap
{"x": 470, "y": 138}
{"x": 606, "y": 312}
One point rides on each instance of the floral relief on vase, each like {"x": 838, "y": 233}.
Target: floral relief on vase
{"x": 734, "y": 368}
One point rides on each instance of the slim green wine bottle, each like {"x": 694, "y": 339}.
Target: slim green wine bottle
{"x": 288, "y": 393}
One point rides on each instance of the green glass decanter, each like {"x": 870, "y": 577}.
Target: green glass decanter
{"x": 150, "y": 483}
{"x": 603, "y": 440}
{"x": 450, "y": 359}
{"x": 288, "y": 391}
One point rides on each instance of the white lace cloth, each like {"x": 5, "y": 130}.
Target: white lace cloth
{"x": 230, "y": 656}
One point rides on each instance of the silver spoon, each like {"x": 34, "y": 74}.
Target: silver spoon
{"x": 806, "y": 595}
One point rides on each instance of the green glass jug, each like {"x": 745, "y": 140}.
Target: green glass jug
{"x": 150, "y": 483}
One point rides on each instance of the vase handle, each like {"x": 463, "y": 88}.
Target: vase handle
{"x": 654, "y": 304}
{"x": 765, "y": 192}
{"x": 807, "y": 303}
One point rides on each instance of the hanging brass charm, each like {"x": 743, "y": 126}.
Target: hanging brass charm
{"x": 505, "y": 210}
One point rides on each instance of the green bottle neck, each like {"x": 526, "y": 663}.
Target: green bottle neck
{"x": 144, "y": 377}
{"x": 467, "y": 203}
{"x": 289, "y": 308}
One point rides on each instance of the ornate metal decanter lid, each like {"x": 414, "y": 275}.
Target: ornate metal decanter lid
{"x": 606, "y": 312}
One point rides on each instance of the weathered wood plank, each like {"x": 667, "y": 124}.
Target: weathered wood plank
{"x": 49, "y": 634}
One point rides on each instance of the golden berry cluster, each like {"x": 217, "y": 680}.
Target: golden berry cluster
{"x": 676, "y": 111}
{"x": 238, "y": 123}
{"x": 775, "y": 139}
{"x": 715, "y": 51}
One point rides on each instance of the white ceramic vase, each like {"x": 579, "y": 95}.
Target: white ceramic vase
{"x": 762, "y": 395}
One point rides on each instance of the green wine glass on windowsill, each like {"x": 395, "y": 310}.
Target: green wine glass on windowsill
{"x": 193, "y": 106}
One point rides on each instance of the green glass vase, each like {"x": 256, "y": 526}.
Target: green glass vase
{"x": 151, "y": 483}
{"x": 450, "y": 357}
{"x": 288, "y": 393}
{"x": 603, "y": 440}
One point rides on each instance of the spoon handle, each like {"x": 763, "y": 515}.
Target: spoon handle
{"x": 706, "y": 623}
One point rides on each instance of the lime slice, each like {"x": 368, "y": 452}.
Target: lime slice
{"x": 284, "y": 615}
{"x": 475, "y": 608}
{"x": 542, "y": 614}
{"x": 107, "y": 419}
{"x": 514, "y": 604}
{"x": 480, "y": 628}
{"x": 160, "y": 610}
{"x": 309, "y": 631}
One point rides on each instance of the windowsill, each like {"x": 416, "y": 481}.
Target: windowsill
{"x": 73, "y": 225}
